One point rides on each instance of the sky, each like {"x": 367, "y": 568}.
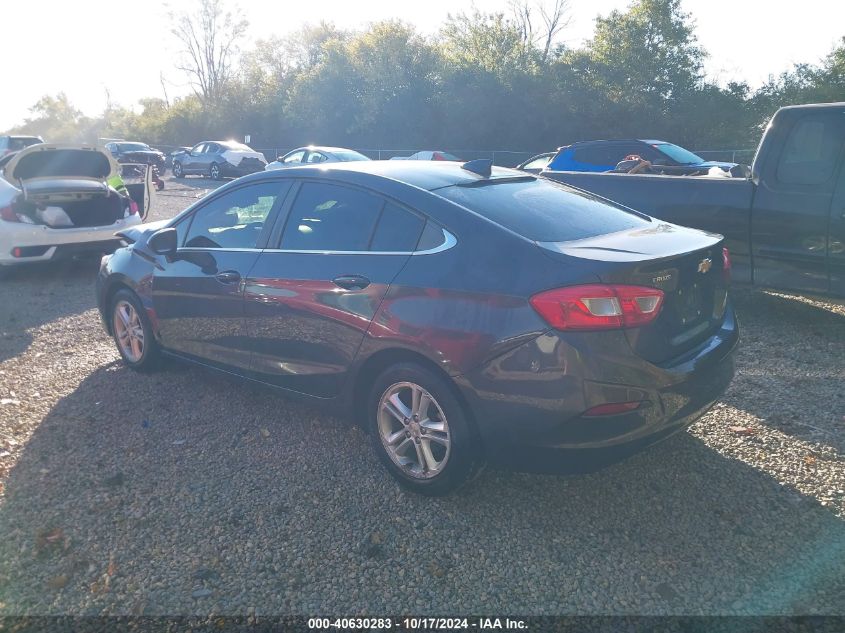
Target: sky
{"x": 95, "y": 50}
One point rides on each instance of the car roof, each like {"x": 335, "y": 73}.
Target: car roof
{"x": 423, "y": 174}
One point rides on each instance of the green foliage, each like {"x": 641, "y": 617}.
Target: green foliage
{"x": 485, "y": 81}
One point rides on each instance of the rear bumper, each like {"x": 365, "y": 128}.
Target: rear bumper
{"x": 535, "y": 423}
{"x": 227, "y": 169}
{"x": 43, "y": 244}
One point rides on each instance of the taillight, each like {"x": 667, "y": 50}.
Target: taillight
{"x": 598, "y": 306}
{"x": 7, "y": 214}
{"x": 726, "y": 265}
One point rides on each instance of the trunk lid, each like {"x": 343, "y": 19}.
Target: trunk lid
{"x": 686, "y": 264}
{"x": 61, "y": 161}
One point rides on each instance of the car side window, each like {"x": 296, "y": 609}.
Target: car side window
{"x": 598, "y": 155}
{"x": 296, "y": 157}
{"x": 236, "y": 218}
{"x": 211, "y": 148}
{"x": 398, "y": 230}
{"x": 538, "y": 163}
{"x": 198, "y": 149}
{"x": 812, "y": 150}
{"x": 316, "y": 157}
{"x": 331, "y": 218}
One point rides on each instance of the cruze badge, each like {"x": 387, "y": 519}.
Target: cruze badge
{"x": 704, "y": 265}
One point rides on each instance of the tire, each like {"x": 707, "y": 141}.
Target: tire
{"x": 177, "y": 170}
{"x": 146, "y": 355}
{"x": 214, "y": 172}
{"x": 404, "y": 442}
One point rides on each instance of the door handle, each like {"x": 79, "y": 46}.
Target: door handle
{"x": 351, "y": 282}
{"x": 228, "y": 277}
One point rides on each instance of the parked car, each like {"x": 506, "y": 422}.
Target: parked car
{"x": 312, "y": 154}
{"x": 605, "y": 155}
{"x": 379, "y": 287}
{"x": 55, "y": 203}
{"x": 428, "y": 155}
{"x": 538, "y": 163}
{"x": 134, "y": 152}
{"x": 13, "y": 143}
{"x": 219, "y": 159}
{"x": 784, "y": 225}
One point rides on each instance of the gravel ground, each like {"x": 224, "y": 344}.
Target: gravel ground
{"x": 186, "y": 493}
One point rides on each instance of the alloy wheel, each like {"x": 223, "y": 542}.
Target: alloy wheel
{"x": 414, "y": 430}
{"x": 129, "y": 331}
{"x": 215, "y": 171}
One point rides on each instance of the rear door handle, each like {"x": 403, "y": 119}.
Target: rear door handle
{"x": 228, "y": 277}
{"x": 351, "y": 282}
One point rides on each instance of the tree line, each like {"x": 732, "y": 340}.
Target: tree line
{"x": 486, "y": 80}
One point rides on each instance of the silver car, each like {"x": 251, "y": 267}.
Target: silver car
{"x": 313, "y": 154}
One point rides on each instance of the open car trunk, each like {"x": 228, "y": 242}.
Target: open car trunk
{"x": 86, "y": 211}
{"x": 67, "y": 186}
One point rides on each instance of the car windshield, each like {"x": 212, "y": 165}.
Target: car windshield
{"x": 542, "y": 210}
{"x": 349, "y": 155}
{"x": 679, "y": 154}
{"x": 134, "y": 147}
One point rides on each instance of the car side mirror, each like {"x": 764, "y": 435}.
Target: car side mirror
{"x": 164, "y": 242}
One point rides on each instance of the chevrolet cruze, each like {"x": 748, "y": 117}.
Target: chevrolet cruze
{"x": 463, "y": 314}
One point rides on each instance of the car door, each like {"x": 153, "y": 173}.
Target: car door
{"x": 192, "y": 159}
{"x": 836, "y": 238}
{"x": 198, "y": 296}
{"x": 310, "y": 299}
{"x": 794, "y": 201}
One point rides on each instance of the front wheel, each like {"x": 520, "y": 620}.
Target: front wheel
{"x": 177, "y": 170}
{"x": 133, "y": 333}
{"x": 214, "y": 172}
{"x": 420, "y": 431}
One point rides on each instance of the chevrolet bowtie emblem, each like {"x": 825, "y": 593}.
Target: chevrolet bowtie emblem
{"x": 704, "y": 265}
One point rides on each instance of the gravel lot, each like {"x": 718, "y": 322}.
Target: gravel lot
{"x": 186, "y": 493}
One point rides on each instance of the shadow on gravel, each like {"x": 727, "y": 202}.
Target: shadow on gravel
{"x": 789, "y": 366}
{"x": 182, "y": 493}
{"x": 34, "y": 295}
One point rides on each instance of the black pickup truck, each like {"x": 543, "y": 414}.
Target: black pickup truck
{"x": 784, "y": 225}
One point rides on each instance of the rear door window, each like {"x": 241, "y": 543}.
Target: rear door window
{"x": 328, "y": 217}
{"x": 812, "y": 150}
{"x": 398, "y": 230}
{"x": 543, "y": 210}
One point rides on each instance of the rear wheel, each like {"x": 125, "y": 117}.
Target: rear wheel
{"x": 133, "y": 333}
{"x": 214, "y": 171}
{"x": 177, "y": 169}
{"x": 420, "y": 431}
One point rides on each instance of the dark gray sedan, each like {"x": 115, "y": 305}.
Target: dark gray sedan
{"x": 460, "y": 313}
{"x": 218, "y": 159}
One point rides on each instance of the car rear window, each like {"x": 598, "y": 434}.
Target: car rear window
{"x": 543, "y": 210}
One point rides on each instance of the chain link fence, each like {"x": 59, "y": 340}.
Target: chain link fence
{"x": 503, "y": 158}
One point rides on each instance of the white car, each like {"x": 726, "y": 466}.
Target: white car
{"x": 315, "y": 154}
{"x": 55, "y": 202}
{"x": 428, "y": 155}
